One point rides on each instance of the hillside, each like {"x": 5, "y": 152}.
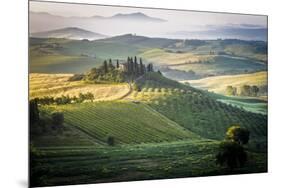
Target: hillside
{"x": 203, "y": 65}
{"x": 69, "y": 33}
{"x": 196, "y": 110}
{"x": 218, "y": 84}
{"x": 177, "y": 59}
{"x": 141, "y": 124}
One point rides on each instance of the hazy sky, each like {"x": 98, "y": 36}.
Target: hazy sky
{"x": 176, "y": 20}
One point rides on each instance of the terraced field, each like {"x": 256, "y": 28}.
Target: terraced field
{"x": 140, "y": 123}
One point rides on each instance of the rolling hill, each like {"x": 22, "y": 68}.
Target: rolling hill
{"x": 202, "y": 65}
{"x": 50, "y": 55}
{"x": 69, "y": 33}
{"x": 195, "y": 110}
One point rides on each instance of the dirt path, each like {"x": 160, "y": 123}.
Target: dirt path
{"x": 130, "y": 89}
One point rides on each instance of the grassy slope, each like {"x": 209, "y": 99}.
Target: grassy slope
{"x": 73, "y": 56}
{"x": 251, "y": 104}
{"x": 60, "y": 63}
{"x": 163, "y": 57}
{"x": 214, "y": 64}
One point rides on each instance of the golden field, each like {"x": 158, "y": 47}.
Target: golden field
{"x": 218, "y": 84}
{"x": 56, "y": 85}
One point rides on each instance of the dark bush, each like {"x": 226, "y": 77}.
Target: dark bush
{"x": 110, "y": 140}
{"x": 231, "y": 154}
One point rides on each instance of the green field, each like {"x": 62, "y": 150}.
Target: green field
{"x": 76, "y": 165}
{"x": 140, "y": 123}
{"x": 251, "y": 104}
{"x": 73, "y": 56}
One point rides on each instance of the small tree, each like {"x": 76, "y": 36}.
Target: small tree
{"x": 110, "y": 140}
{"x": 245, "y": 90}
{"x": 230, "y": 90}
{"x": 231, "y": 154}
{"x": 254, "y": 91}
{"x": 57, "y": 120}
{"x": 238, "y": 134}
{"x": 110, "y": 65}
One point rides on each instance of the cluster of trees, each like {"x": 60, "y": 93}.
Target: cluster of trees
{"x": 106, "y": 72}
{"x": 43, "y": 124}
{"x": 120, "y": 72}
{"x": 66, "y": 99}
{"x": 231, "y": 151}
{"x": 245, "y": 90}
{"x": 132, "y": 67}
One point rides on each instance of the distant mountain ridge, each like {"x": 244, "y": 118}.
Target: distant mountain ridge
{"x": 70, "y": 33}
{"x": 137, "y": 16}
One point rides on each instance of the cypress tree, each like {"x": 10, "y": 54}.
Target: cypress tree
{"x": 110, "y": 65}
{"x": 117, "y": 64}
{"x": 148, "y": 68}
{"x": 141, "y": 67}
{"x": 105, "y": 66}
{"x": 131, "y": 66}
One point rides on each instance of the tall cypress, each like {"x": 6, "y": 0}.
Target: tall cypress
{"x": 131, "y": 66}
{"x": 117, "y": 64}
{"x": 141, "y": 67}
{"x": 105, "y": 66}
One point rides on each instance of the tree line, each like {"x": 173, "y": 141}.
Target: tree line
{"x": 66, "y": 99}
